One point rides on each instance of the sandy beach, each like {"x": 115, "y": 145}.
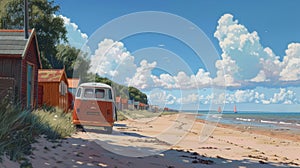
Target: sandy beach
{"x": 172, "y": 141}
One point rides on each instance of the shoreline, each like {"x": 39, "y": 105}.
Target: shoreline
{"x": 276, "y": 133}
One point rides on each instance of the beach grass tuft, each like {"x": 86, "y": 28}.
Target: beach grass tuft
{"x": 19, "y": 128}
{"x": 137, "y": 114}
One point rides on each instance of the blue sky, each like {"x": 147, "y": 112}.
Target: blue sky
{"x": 257, "y": 43}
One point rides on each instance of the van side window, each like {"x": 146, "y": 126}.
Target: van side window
{"x": 109, "y": 94}
{"x": 99, "y": 93}
{"x": 78, "y": 92}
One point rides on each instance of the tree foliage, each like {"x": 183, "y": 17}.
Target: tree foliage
{"x": 73, "y": 60}
{"x": 50, "y": 29}
{"x": 137, "y": 95}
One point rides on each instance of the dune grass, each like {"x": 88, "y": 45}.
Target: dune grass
{"x": 19, "y": 128}
{"x": 136, "y": 114}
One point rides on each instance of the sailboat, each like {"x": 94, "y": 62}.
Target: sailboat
{"x": 219, "y": 109}
{"x": 234, "y": 109}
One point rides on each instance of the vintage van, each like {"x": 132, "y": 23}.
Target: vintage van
{"x": 94, "y": 106}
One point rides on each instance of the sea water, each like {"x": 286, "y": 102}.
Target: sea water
{"x": 268, "y": 120}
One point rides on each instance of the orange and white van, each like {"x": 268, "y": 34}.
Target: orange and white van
{"x": 94, "y": 106}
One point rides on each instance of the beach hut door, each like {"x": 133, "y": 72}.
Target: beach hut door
{"x": 29, "y": 85}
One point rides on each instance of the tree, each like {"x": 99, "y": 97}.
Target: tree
{"x": 74, "y": 61}
{"x": 66, "y": 57}
{"x": 50, "y": 29}
{"x": 137, "y": 95}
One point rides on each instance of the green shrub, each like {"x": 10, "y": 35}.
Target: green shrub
{"x": 19, "y": 128}
{"x": 55, "y": 123}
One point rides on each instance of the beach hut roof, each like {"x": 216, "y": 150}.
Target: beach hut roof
{"x": 13, "y": 43}
{"x": 51, "y": 75}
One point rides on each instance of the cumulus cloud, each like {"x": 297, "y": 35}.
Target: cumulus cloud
{"x": 291, "y": 63}
{"x": 225, "y": 74}
{"x": 189, "y": 99}
{"x": 112, "y": 60}
{"x": 240, "y": 46}
{"x": 75, "y": 37}
{"x": 245, "y": 60}
{"x": 142, "y": 78}
{"x": 183, "y": 81}
{"x": 284, "y": 96}
{"x": 245, "y": 96}
{"x": 161, "y": 98}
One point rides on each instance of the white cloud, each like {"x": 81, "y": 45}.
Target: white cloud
{"x": 261, "y": 77}
{"x": 161, "y": 98}
{"x": 183, "y": 81}
{"x": 291, "y": 63}
{"x": 74, "y": 35}
{"x": 225, "y": 74}
{"x": 142, "y": 78}
{"x": 189, "y": 99}
{"x": 284, "y": 96}
{"x": 112, "y": 60}
{"x": 164, "y": 80}
{"x": 245, "y": 60}
{"x": 247, "y": 96}
{"x": 241, "y": 49}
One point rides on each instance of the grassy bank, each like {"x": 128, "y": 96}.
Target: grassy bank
{"x": 19, "y": 128}
{"x": 136, "y": 114}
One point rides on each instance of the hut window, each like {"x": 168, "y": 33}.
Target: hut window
{"x": 63, "y": 88}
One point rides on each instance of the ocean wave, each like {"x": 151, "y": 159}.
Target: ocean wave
{"x": 214, "y": 116}
{"x": 269, "y": 122}
{"x": 245, "y": 119}
{"x": 284, "y": 123}
{"x": 298, "y": 125}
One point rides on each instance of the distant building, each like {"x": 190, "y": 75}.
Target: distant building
{"x": 124, "y": 103}
{"x": 130, "y": 105}
{"x": 118, "y": 103}
{"x": 121, "y": 103}
{"x": 153, "y": 108}
{"x": 136, "y": 105}
{"x": 19, "y": 64}
{"x": 73, "y": 84}
{"x": 143, "y": 106}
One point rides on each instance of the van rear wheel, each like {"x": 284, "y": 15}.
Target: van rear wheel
{"x": 108, "y": 130}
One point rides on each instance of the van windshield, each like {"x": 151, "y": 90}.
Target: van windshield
{"x": 94, "y": 93}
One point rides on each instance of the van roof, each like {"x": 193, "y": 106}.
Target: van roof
{"x": 95, "y": 84}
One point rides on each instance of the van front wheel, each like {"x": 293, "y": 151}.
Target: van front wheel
{"x": 108, "y": 130}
